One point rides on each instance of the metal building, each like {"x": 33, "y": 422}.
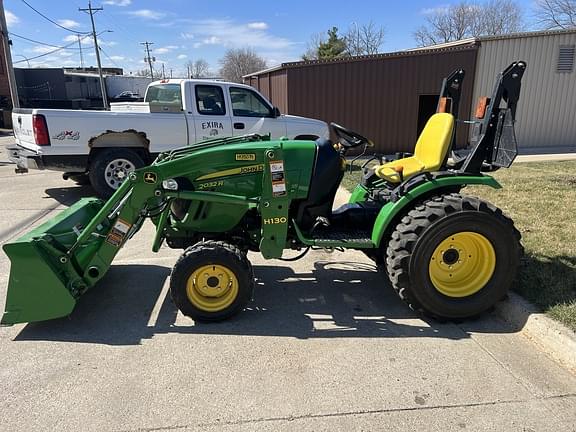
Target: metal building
{"x": 546, "y": 117}
{"x": 386, "y": 97}
{"x": 389, "y": 96}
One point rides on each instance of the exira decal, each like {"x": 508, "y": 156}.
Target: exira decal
{"x": 71, "y": 135}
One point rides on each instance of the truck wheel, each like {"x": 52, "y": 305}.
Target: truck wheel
{"x": 453, "y": 256}
{"x": 211, "y": 281}
{"x": 110, "y": 167}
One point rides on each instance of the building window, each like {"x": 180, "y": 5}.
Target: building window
{"x": 566, "y": 58}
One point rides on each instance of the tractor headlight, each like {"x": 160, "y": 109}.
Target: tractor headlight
{"x": 170, "y": 184}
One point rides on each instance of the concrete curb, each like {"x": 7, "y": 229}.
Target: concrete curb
{"x": 551, "y": 337}
{"x": 555, "y": 339}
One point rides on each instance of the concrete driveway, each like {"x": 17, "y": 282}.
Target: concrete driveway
{"x": 325, "y": 345}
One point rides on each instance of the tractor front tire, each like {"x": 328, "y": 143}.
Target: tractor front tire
{"x": 453, "y": 256}
{"x": 211, "y": 281}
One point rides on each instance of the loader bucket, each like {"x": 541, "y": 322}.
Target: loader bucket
{"x": 44, "y": 282}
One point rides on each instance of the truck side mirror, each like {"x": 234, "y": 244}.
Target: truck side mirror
{"x": 276, "y": 112}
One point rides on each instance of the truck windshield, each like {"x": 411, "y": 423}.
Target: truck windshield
{"x": 164, "y": 94}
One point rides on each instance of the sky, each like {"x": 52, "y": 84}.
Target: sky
{"x": 183, "y": 30}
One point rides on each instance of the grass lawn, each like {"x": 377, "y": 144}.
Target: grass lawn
{"x": 541, "y": 199}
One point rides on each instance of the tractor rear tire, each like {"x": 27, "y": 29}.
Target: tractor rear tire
{"x": 211, "y": 281}
{"x": 453, "y": 256}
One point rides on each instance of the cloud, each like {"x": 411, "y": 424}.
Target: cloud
{"x": 164, "y": 50}
{"x": 41, "y": 49}
{"x": 186, "y": 36}
{"x": 117, "y": 58}
{"x": 11, "y": 19}
{"x": 182, "y": 57}
{"x": 231, "y": 34}
{"x": 68, "y": 23}
{"x": 443, "y": 8}
{"x": 117, "y": 2}
{"x": 89, "y": 41}
{"x": 258, "y": 25}
{"x": 147, "y": 14}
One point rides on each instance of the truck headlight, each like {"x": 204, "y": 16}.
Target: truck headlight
{"x": 170, "y": 184}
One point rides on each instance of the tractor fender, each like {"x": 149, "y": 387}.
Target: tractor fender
{"x": 392, "y": 210}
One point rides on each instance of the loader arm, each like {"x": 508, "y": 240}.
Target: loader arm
{"x": 73, "y": 251}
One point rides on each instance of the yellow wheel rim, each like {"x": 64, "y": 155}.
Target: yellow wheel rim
{"x": 462, "y": 264}
{"x": 212, "y": 288}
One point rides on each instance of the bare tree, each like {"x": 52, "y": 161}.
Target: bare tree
{"x": 143, "y": 72}
{"x": 238, "y": 62}
{"x": 365, "y": 39}
{"x": 500, "y": 17}
{"x": 468, "y": 19}
{"x": 312, "y": 46}
{"x": 198, "y": 68}
{"x": 556, "y": 14}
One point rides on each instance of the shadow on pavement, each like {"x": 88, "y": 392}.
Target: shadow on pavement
{"x": 337, "y": 299}
{"x": 69, "y": 195}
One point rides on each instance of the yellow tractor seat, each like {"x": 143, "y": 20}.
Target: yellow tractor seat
{"x": 429, "y": 153}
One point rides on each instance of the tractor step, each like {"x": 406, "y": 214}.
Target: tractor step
{"x": 345, "y": 238}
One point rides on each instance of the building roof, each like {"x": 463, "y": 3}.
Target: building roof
{"x": 495, "y": 37}
{"x": 405, "y": 53}
{"x": 461, "y": 44}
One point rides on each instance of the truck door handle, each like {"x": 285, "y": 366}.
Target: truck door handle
{"x": 239, "y": 125}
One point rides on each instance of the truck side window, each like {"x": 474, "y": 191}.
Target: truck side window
{"x": 164, "y": 94}
{"x": 210, "y": 100}
{"x": 247, "y": 103}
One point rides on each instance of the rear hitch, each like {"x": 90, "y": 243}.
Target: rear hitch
{"x": 20, "y": 170}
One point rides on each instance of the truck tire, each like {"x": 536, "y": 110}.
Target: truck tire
{"x": 211, "y": 281}
{"x": 110, "y": 167}
{"x": 453, "y": 256}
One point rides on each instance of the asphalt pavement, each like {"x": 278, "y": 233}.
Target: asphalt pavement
{"x": 325, "y": 346}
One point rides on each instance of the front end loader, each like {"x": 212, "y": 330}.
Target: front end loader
{"x": 448, "y": 255}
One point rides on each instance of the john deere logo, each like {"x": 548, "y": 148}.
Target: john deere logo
{"x": 150, "y": 178}
{"x": 245, "y": 156}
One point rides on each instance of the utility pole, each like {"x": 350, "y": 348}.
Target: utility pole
{"x": 8, "y": 56}
{"x": 148, "y": 59}
{"x": 163, "y": 72}
{"x": 90, "y": 10}
{"x": 170, "y": 73}
{"x": 188, "y": 69}
{"x": 80, "y": 47}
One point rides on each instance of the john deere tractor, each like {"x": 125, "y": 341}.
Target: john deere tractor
{"x": 446, "y": 254}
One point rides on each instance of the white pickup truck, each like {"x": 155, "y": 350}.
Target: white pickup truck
{"x": 102, "y": 147}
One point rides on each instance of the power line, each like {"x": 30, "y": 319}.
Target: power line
{"x": 51, "y": 20}
{"x": 48, "y": 53}
{"x": 108, "y": 57}
{"x": 38, "y": 42}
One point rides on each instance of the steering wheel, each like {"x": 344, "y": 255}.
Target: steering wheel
{"x": 349, "y": 138}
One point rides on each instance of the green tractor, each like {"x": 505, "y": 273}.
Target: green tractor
{"x": 448, "y": 255}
